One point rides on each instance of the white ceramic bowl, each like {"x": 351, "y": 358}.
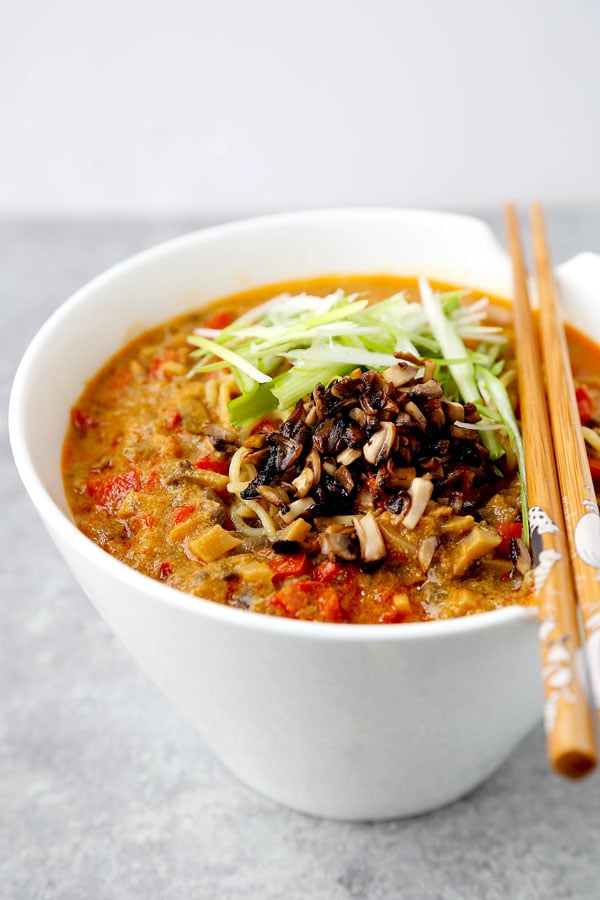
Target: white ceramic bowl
{"x": 343, "y": 721}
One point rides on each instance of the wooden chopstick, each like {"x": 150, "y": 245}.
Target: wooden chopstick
{"x": 569, "y": 722}
{"x": 577, "y": 487}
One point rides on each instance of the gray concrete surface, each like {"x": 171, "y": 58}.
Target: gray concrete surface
{"x": 105, "y": 792}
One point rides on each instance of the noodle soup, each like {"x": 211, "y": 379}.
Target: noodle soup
{"x": 379, "y": 495}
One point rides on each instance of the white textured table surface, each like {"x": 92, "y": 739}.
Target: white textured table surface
{"x": 105, "y": 792}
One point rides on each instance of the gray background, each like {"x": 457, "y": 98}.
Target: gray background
{"x": 105, "y": 792}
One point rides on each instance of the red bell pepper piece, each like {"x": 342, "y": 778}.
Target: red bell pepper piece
{"x": 585, "y": 404}
{"x": 320, "y": 601}
{"x": 165, "y": 570}
{"x": 265, "y": 426}
{"x": 110, "y": 492}
{"x": 172, "y": 419}
{"x": 287, "y": 565}
{"x": 181, "y": 514}
{"x": 221, "y": 466}
{"x": 594, "y": 467}
{"x": 220, "y": 319}
{"x": 82, "y": 420}
{"x": 508, "y": 531}
{"x": 327, "y": 571}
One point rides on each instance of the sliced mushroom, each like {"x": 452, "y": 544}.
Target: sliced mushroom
{"x": 379, "y": 446}
{"x": 401, "y": 373}
{"x": 348, "y": 456}
{"x": 415, "y": 413}
{"x": 274, "y": 494}
{"x": 342, "y": 474}
{"x": 372, "y": 545}
{"x": 431, "y": 390}
{"x": 520, "y": 556}
{"x": 340, "y": 543}
{"x": 358, "y": 415}
{"x": 303, "y": 484}
{"x": 426, "y": 551}
{"x": 255, "y": 441}
{"x": 419, "y": 493}
{"x": 455, "y": 412}
{"x": 297, "y": 508}
{"x": 429, "y": 368}
{"x": 396, "y": 478}
{"x": 221, "y": 438}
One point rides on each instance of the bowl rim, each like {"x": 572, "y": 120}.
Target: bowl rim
{"x": 56, "y": 520}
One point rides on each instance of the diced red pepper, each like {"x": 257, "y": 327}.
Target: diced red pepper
{"x": 219, "y": 319}
{"x": 287, "y": 565}
{"x": 594, "y": 467}
{"x": 329, "y": 606}
{"x": 120, "y": 380}
{"x": 165, "y": 570}
{"x": 321, "y": 601}
{"x": 181, "y": 514}
{"x": 151, "y": 480}
{"x": 172, "y": 419}
{"x": 265, "y": 426}
{"x": 585, "y": 404}
{"x": 221, "y": 466}
{"x": 82, "y": 420}
{"x": 327, "y": 571}
{"x": 110, "y": 492}
{"x": 148, "y": 520}
{"x": 508, "y": 531}
{"x": 157, "y": 362}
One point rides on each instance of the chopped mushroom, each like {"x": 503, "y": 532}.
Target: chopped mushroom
{"x": 340, "y": 543}
{"x": 297, "y": 508}
{"x": 372, "y": 546}
{"x": 426, "y": 551}
{"x": 379, "y": 446}
{"x": 419, "y": 493}
{"x": 520, "y": 556}
{"x": 401, "y": 373}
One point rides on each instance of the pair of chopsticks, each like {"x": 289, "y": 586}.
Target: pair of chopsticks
{"x": 565, "y": 536}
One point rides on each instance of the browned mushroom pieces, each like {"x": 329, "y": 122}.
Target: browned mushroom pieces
{"x": 401, "y": 373}
{"x": 398, "y": 477}
{"x": 303, "y": 484}
{"x": 520, "y": 556}
{"x": 255, "y": 441}
{"x": 359, "y": 416}
{"x": 372, "y": 545}
{"x": 221, "y": 438}
{"x": 464, "y": 434}
{"x": 320, "y": 402}
{"x": 455, "y": 412}
{"x": 297, "y": 508}
{"x": 310, "y": 475}
{"x": 274, "y": 494}
{"x": 415, "y": 413}
{"x": 426, "y": 551}
{"x": 408, "y": 357}
{"x": 348, "y": 456}
{"x": 429, "y": 368}
{"x": 343, "y": 475}
{"x": 430, "y": 390}
{"x": 340, "y": 543}
{"x": 471, "y": 414}
{"x": 419, "y": 494}
{"x": 380, "y": 445}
